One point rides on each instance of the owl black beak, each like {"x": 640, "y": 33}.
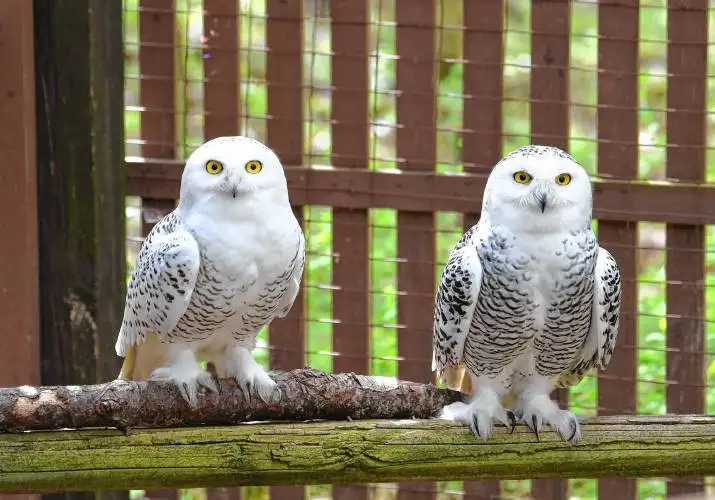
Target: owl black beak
{"x": 541, "y": 198}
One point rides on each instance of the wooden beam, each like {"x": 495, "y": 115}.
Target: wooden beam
{"x": 358, "y": 451}
{"x": 614, "y": 200}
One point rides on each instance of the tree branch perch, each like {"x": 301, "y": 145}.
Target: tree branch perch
{"x": 307, "y": 394}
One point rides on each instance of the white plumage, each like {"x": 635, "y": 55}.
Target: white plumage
{"x": 528, "y": 301}
{"x": 213, "y": 272}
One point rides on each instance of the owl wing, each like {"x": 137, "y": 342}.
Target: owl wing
{"x": 161, "y": 285}
{"x": 295, "y": 276}
{"x": 601, "y": 339}
{"x": 454, "y": 306}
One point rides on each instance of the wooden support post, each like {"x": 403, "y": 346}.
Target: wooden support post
{"x": 80, "y": 142}
{"x": 19, "y": 283}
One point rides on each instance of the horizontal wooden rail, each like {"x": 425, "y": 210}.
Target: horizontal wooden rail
{"x": 615, "y": 200}
{"x": 358, "y": 451}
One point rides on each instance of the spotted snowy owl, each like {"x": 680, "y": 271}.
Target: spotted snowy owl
{"x": 214, "y": 271}
{"x": 528, "y": 301}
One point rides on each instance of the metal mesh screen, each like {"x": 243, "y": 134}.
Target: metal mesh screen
{"x": 389, "y": 114}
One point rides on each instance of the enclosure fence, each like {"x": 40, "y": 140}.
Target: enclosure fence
{"x": 388, "y": 116}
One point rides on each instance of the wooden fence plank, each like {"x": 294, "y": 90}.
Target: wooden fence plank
{"x": 284, "y": 78}
{"x": 221, "y": 76}
{"x": 157, "y": 65}
{"x": 618, "y": 156}
{"x": 483, "y": 48}
{"x": 416, "y": 149}
{"x": 19, "y": 293}
{"x": 685, "y": 257}
{"x": 351, "y": 261}
{"x": 550, "y": 29}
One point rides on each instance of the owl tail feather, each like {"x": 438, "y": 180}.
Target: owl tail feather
{"x": 143, "y": 358}
{"x": 128, "y": 365}
{"x": 456, "y": 379}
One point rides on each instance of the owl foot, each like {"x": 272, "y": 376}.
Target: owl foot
{"x": 540, "y": 409}
{"x": 251, "y": 376}
{"x": 187, "y": 378}
{"x": 480, "y": 414}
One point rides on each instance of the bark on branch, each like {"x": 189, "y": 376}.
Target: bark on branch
{"x": 307, "y": 394}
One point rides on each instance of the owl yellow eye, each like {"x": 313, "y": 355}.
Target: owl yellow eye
{"x": 522, "y": 177}
{"x": 254, "y": 166}
{"x": 214, "y": 167}
{"x": 563, "y": 179}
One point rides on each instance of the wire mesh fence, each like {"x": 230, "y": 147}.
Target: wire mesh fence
{"x": 388, "y": 115}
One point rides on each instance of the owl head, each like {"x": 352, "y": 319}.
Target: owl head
{"x": 231, "y": 170}
{"x": 539, "y": 188}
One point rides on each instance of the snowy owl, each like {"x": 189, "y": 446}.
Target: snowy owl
{"x": 528, "y": 301}
{"x": 213, "y": 272}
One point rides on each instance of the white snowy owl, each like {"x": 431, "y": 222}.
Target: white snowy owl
{"x": 214, "y": 271}
{"x": 528, "y": 301}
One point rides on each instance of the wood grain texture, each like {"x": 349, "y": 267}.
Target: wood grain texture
{"x": 360, "y": 451}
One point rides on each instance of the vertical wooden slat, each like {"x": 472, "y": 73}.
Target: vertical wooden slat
{"x": 157, "y": 27}
{"x": 221, "y": 103}
{"x": 685, "y": 257}
{"x": 284, "y": 78}
{"x": 550, "y": 26}
{"x": 221, "y": 87}
{"x": 349, "y": 35}
{"x": 482, "y": 142}
{"x": 223, "y": 494}
{"x": 350, "y": 149}
{"x": 19, "y": 293}
{"x": 618, "y": 156}
{"x": 416, "y": 148}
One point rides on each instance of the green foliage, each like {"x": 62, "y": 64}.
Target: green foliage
{"x": 583, "y": 78}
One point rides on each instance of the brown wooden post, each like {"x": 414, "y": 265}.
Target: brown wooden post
{"x": 284, "y": 77}
{"x": 351, "y": 264}
{"x": 157, "y": 65}
{"x": 19, "y": 278}
{"x": 19, "y": 281}
{"x": 80, "y": 154}
{"x": 618, "y": 157}
{"x": 550, "y": 29}
{"x": 685, "y": 256}
{"x": 416, "y": 147}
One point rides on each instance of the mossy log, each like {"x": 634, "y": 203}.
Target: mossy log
{"x": 306, "y": 394}
{"x": 358, "y": 451}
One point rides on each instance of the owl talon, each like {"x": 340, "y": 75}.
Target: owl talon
{"x": 535, "y": 427}
{"x": 187, "y": 378}
{"x": 512, "y": 421}
{"x": 539, "y": 410}
{"x": 474, "y": 426}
